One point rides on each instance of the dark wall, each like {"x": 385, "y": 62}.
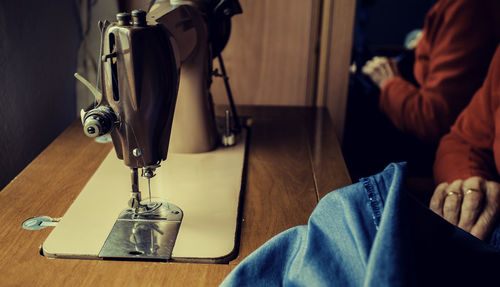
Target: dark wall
{"x": 38, "y": 54}
{"x": 388, "y": 21}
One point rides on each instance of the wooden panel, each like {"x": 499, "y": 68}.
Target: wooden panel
{"x": 271, "y": 56}
{"x": 270, "y": 53}
{"x": 335, "y": 57}
{"x": 280, "y": 193}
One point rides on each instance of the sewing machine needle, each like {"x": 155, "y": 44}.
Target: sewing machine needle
{"x": 149, "y": 188}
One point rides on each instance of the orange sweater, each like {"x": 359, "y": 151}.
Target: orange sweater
{"x": 472, "y": 148}
{"x": 451, "y": 61}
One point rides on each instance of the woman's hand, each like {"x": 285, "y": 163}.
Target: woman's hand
{"x": 472, "y": 204}
{"x": 380, "y": 70}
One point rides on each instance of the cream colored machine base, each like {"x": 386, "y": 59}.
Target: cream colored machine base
{"x": 205, "y": 186}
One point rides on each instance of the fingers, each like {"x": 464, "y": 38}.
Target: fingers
{"x": 472, "y": 202}
{"x": 453, "y": 202}
{"x": 437, "y": 200}
{"x": 377, "y": 64}
{"x": 367, "y": 68}
{"x": 447, "y": 200}
{"x": 379, "y": 70}
{"x": 490, "y": 213}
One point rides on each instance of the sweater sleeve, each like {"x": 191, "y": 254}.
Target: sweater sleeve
{"x": 468, "y": 149}
{"x": 459, "y": 56}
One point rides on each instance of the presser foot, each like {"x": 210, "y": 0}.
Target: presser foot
{"x": 139, "y": 208}
{"x": 146, "y": 235}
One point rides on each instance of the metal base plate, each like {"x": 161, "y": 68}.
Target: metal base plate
{"x": 144, "y": 236}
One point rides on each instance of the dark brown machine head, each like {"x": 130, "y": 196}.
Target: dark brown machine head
{"x": 139, "y": 80}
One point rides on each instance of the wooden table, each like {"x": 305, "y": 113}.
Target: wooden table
{"x": 294, "y": 160}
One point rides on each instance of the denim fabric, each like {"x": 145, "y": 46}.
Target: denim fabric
{"x": 370, "y": 234}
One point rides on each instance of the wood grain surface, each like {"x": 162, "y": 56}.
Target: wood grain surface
{"x": 283, "y": 185}
{"x": 271, "y": 54}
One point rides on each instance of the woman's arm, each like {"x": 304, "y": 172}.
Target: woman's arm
{"x": 461, "y": 46}
{"x": 468, "y": 194}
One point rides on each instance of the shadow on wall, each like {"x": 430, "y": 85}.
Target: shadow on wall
{"x": 38, "y": 56}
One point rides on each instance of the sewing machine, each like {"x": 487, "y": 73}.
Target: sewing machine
{"x": 154, "y": 101}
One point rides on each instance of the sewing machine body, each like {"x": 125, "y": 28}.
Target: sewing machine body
{"x": 155, "y": 104}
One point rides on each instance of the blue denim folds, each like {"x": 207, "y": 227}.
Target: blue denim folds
{"x": 371, "y": 234}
